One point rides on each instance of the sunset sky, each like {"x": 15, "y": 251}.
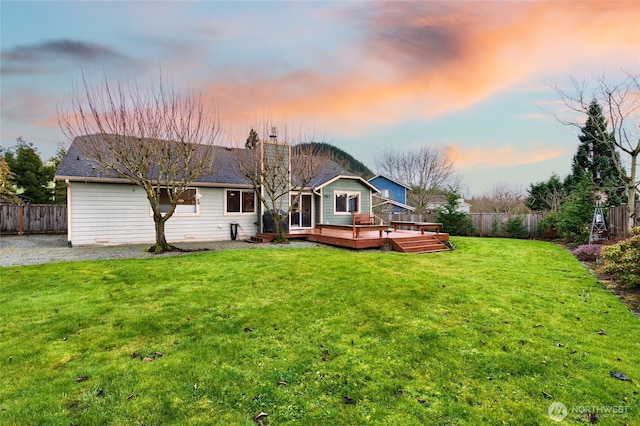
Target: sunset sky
{"x": 473, "y": 78}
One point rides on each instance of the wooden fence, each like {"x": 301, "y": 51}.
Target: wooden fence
{"x": 51, "y": 218}
{"x": 484, "y": 224}
{"x": 618, "y": 220}
{"x": 19, "y": 219}
{"x": 493, "y": 224}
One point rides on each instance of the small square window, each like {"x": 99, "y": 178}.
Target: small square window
{"x": 347, "y": 202}
{"x": 241, "y": 202}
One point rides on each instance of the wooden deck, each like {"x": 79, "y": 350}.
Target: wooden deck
{"x": 407, "y": 241}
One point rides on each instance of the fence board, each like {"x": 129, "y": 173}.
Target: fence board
{"x": 618, "y": 221}
{"x": 492, "y": 224}
{"x": 33, "y": 219}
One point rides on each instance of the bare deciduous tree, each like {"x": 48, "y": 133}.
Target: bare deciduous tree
{"x": 554, "y": 199}
{"x": 425, "y": 170}
{"x": 621, "y": 107}
{"x": 501, "y": 198}
{"x": 155, "y": 137}
{"x": 278, "y": 171}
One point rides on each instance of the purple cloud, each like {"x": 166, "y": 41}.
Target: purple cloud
{"x": 33, "y": 58}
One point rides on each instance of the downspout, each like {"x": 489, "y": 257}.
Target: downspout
{"x": 69, "y": 237}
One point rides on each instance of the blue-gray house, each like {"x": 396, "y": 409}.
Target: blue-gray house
{"x": 392, "y": 197}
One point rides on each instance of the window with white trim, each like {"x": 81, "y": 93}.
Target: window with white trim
{"x": 346, "y": 202}
{"x": 187, "y": 203}
{"x": 240, "y": 201}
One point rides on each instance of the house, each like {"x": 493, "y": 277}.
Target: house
{"x": 392, "y": 198}
{"x": 438, "y": 201}
{"x": 102, "y": 209}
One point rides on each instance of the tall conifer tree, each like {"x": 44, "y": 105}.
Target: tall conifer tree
{"x": 595, "y": 158}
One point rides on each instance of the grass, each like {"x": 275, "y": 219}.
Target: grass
{"x": 472, "y": 337}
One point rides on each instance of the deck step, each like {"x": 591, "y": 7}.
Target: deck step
{"x": 419, "y": 244}
{"x": 261, "y": 238}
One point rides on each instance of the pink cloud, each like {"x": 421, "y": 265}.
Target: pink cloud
{"x": 506, "y": 155}
{"x": 421, "y": 59}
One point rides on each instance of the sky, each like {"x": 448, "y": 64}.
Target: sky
{"x": 476, "y": 79}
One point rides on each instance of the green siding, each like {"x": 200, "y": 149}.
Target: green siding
{"x": 276, "y": 159}
{"x": 317, "y": 206}
{"x": 328, "y": 208}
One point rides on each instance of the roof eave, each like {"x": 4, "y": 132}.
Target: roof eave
{"x": 86, "y": 179}
{"x": 360, "y": 178}
{"x": 395, "y": 203}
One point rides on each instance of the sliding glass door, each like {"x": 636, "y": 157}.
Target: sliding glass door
{"x": 302, "y": 211}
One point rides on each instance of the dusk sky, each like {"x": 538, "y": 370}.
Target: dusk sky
{"x": 473, "y": 78}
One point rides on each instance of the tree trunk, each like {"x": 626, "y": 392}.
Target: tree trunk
{"x": 631, "y": 196}
{"x": 280, "y": 231}
{"x": 161, "y": 244}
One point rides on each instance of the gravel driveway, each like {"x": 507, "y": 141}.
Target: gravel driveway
{"x": 39, "y": 249}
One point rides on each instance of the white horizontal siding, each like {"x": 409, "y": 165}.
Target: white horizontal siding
{"x": 120, "y": 214}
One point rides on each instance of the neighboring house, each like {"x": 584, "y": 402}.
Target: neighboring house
{"x": 105, "y": 210}
{"x": 392, "y": 197}
{"x": 438, "y": 201}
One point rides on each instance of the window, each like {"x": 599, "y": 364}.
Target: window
{"x": 240, "y": 201}
{"x": 347, "y": 202}
{"x": 187, "y": 202}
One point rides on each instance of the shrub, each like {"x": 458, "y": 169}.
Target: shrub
{"x": 587, "y": 252}
{"x": 574, "y": 221}
{"x": 453, "y": 221}
{"x": 549, "y": 223}
{"x": 514, "y": 228}
{"x": 623, "y": 259}
{"x": 495, "y": 227}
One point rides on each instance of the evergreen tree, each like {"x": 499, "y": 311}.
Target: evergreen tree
{"x": 252, "y": 140}
{"x": 31, "y": 176}
{"x": 453, "y": 221}
{"x": 546, "y": 196}
{"x": 346, "y": 160}
{"x": 577, "y": 212}
{"x": 596, "y": 158}
{"x": 7, "y": 183}
{"x": 60, "y": 187}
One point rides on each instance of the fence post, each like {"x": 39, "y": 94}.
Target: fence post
{"x": 28, "y": 218}
{"x": 20, "y": 218}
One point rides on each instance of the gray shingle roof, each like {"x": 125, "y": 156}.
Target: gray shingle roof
{"x": 225, "y": 171}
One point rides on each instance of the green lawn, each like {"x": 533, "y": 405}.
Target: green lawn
{"x": 491, "y": 333}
